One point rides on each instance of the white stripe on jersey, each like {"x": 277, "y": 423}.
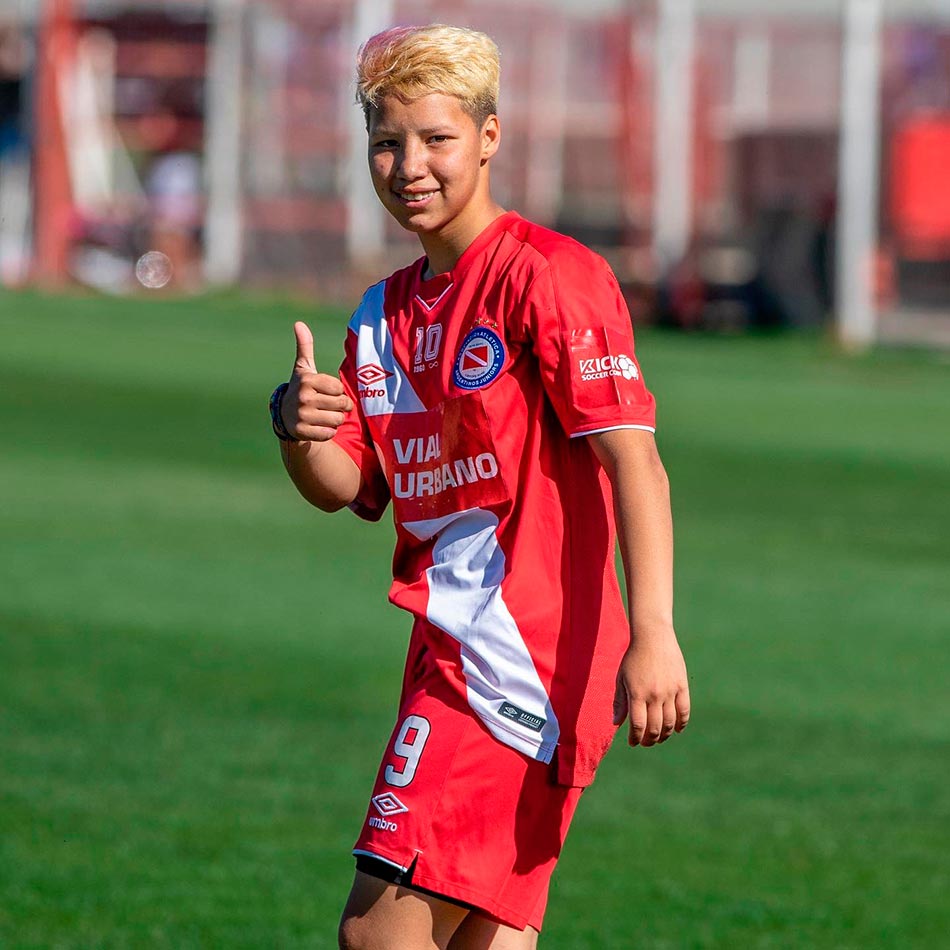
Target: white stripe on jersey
{"x": 375, "y": 345}
{"x": 626, "y": 425}
{"x": 465, "y": 601}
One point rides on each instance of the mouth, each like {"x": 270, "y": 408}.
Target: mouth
{"x": 415, "y": 199}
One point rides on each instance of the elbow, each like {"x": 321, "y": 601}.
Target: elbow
{"x": 654, "y": 473}
{"x": 320, "y": 497}
{"x": 658, "y": 470}
{"x": 642, "y": 473}
{"x": 327, "y": 502}
{"x": 328, "y": 505}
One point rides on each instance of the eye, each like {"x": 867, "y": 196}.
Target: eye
{"x": 438, "y": 139}
{"x": 385, "y": 143}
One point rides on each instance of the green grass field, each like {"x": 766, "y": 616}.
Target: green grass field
{"x": 198, "y": 672}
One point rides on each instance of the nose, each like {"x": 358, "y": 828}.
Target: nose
{"x": 411, "y": 165}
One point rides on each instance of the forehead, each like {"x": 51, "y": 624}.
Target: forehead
{"x": 435, "y": 110}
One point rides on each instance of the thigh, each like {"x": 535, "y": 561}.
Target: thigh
{"x": 478, "y": 932}
{"x": 382, "y": 916}
{"x": 459, "y": 815}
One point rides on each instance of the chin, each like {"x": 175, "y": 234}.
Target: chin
{"x": 420, "y": 224}
{"x": 407, "y": 224}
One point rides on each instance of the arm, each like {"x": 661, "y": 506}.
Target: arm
{"x": 314, "y": 406}
{"x": 323, "y": 473}
{"x": 652, "y": 686}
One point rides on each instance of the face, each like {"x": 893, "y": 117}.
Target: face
{"x": 429, "y": 162}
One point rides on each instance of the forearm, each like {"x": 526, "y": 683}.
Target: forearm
{"x": 641, "y": 496}
{"x": 652, "y": 683}
{"x": 322, "y": 472}
{"x": 645, "y": 529}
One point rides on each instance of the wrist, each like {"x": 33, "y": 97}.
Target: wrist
{"x": 652, "y": 630}
{"x": 276, "y": 417}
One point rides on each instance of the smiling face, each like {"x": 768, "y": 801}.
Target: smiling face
{"x": 429, "y": 164}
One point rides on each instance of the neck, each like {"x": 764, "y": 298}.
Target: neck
{"x": 444, "y": 248}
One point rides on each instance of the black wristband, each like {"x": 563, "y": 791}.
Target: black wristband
{"x": 276, "y": 420}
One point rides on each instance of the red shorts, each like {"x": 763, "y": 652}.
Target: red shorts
{"x": 476, "y": 821}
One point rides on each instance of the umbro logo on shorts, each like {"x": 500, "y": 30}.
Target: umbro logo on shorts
{"x": 388, "y": 804}
{"x": 512, "y": 712}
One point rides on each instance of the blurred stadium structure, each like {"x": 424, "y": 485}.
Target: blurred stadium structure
{"x": 738, "y": 166}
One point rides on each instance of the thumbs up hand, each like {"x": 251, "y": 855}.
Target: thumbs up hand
{"x": 315, "y": 404}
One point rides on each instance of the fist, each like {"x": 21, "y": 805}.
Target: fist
{"x": 315, "y": 404}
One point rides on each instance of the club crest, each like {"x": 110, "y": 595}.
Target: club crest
{"x": 480, "y": 359}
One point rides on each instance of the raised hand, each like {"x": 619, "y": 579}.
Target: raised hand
{"x": 315, "y": 404}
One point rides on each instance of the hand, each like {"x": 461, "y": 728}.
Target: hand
{"x": 315, "y": 404}
{"x": 652, "y": 688}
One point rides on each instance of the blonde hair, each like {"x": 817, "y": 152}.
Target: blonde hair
{"x": 413, "y": 61}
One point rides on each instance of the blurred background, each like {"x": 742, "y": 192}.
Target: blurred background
{"x": 198, "y": 672}
{"x": 739, "y": 167}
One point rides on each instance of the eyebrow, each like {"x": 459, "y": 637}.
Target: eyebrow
{"x": 438, "y": 129}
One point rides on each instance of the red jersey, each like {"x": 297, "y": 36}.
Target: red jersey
{"x": 472, "y": 390}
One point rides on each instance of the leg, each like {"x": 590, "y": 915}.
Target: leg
{"x": 381, "y": 916}
{"x": 478, "y": 932}
{"x": 469, "y": 819}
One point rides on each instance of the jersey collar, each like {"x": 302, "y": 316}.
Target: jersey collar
{"x": 432, "y": 290}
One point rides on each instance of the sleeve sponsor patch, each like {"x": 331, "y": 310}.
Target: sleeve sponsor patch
{"x": 602, "y": 373}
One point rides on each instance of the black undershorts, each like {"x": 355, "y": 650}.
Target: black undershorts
{"x": 391, "y": 874}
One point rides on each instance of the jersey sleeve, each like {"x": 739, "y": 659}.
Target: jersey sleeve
{"x": 582, "y": 335}
{"x": 354, "y": 438}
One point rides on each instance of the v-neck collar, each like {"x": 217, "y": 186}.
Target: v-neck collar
{"x": 431, "y": 291}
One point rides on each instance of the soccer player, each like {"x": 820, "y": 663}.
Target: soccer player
{"x": 490, "y": 393}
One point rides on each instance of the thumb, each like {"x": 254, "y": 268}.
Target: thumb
{"x": 304, "y": 337}
{"x": 620, "y": 702}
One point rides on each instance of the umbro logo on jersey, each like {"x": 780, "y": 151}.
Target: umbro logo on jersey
{"x": 387, "y": 804}
{"x": 480, "y": 359}
{"x": 512, "y": 712}
{"x": 604, "y": 366}
{"x": 368, "y": 374}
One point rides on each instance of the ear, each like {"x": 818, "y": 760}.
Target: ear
{"x": 491, "y": 137}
